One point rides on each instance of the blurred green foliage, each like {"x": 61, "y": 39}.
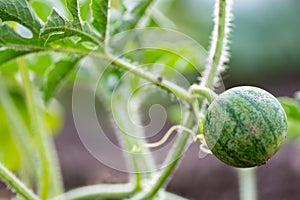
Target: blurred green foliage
{"x": 265, "y": 41}
{"x": 292, "y": 109}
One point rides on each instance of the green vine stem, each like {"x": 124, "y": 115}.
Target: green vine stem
{"x": 171, "y": 162}
{"x": 17, "y": 126}
{"x": 16, "y": 184}
{"x": 209, "y": 94}
{"x": 46, "y": 150}
{"x": 158, "y": 80}
{"x": 214, "y": 67}
{"x": 247, "y": 183}
{"x": 106, "y": 191}
{"x": 218, "y": 53}
{"x": 121, "y": 63}
{"x": 131, "y": 141}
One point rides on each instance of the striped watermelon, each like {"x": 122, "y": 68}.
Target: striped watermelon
{"x": 245, "y": 126}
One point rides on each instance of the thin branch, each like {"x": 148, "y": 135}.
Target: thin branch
{"x": 247, "y": 184}
{"x": 18, "y": 127}
{"x": 158, "y": 80}
{"x": 16, "y": 184}
{"x": 107, "y": 191}
{"x": 171, "y": 162}
{"x": 209, "y": 94}
{"x": 218, "y": 53}
{"x": 45, "y": 149}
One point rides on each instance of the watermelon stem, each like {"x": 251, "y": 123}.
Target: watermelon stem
{"x": 209, "y": 94}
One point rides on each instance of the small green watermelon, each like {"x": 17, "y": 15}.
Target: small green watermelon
{"x": 245, "y": 126}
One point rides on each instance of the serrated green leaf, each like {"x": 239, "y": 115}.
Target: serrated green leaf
{"x": 20, "y": 11}
{"x": 85, "y": 10}
{"x": 13, "y": 44}
{"x": 100, "y": 15}
{"x": 9, "y": 37}
{"x": 59, "y": 27}
{"x": 42, "y": 8}
{"x": 9, "y": 154}
{"x": 55, "y": 75}
{"x": 73, "y": 7}
{"x": 53, "y": 116}
{"x": 292, "y": 109}
{"x": 134, "y": 11}
{"x": 17, "y": 144}
{"x": 9, "y": 54}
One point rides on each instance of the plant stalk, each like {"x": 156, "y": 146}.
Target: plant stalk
{"x": 18, "y": 127}
{"x": 16, "y": 184}
{"x": 157, "y": 80}
{"x": 106, "y": 191}
{"x": 247, "y": 184}
{"x": 218, "y": 53}
{"x": 45, "y": 148}
{"x": 172, "y": 160}
{"x": 210, "y": 76}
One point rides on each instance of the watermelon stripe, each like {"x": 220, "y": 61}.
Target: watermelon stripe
{"x": 258, "y": 109}
{"x": 245, "y": 126}
{"x": 240, "y": 125}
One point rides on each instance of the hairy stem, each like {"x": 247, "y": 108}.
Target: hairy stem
{"x": 45, "y": 149}
{"x": 247, "y": 183}
{"x": 158, "y": 80}
{"x": 121, "y": 63}
{"x": 16, "y": 184}
{"x": 18, "y": 127}
{"x": 209, "y": 94}
{"x": 132, "y": 136}
{"x": 218, "y": 53}
{"x": 212, "y": 70}
{"x": 172, "y": 160}
{"x": 106, "y": 191}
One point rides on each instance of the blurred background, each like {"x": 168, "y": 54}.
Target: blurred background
{"x": 265, "y": 51}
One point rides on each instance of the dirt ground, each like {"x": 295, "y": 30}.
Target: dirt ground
{"x": 195, "y": 178}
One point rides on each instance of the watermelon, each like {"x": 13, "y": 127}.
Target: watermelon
{"x": 245, "y": 126}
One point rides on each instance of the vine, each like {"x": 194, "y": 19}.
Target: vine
{"x": 194, "y": 96}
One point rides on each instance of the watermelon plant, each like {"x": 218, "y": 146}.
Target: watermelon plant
{"x": 45, "y": 45}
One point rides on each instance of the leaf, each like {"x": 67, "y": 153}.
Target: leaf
{"x": 59, "y": 27}
{"x": 53, "y": 116}
{"x": 55, "y": 75}
{"x": 20, "y": 11}
{"x": 9, "y": 37}
{"x": 292, "y": 109}
{"x": 16, "y": 45}
{"x": 16, "y": 139}
{"x": 39, "y": 62}
{"x": 9, "y": 54}
{"x": 134, "y": 11}
{"x": 73, "y": 7}
{"x": 42, "y": 8}
{"x": 13, "y": 44}
{"x": 9, "y": 154}
{"x": 100, "y": 15}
